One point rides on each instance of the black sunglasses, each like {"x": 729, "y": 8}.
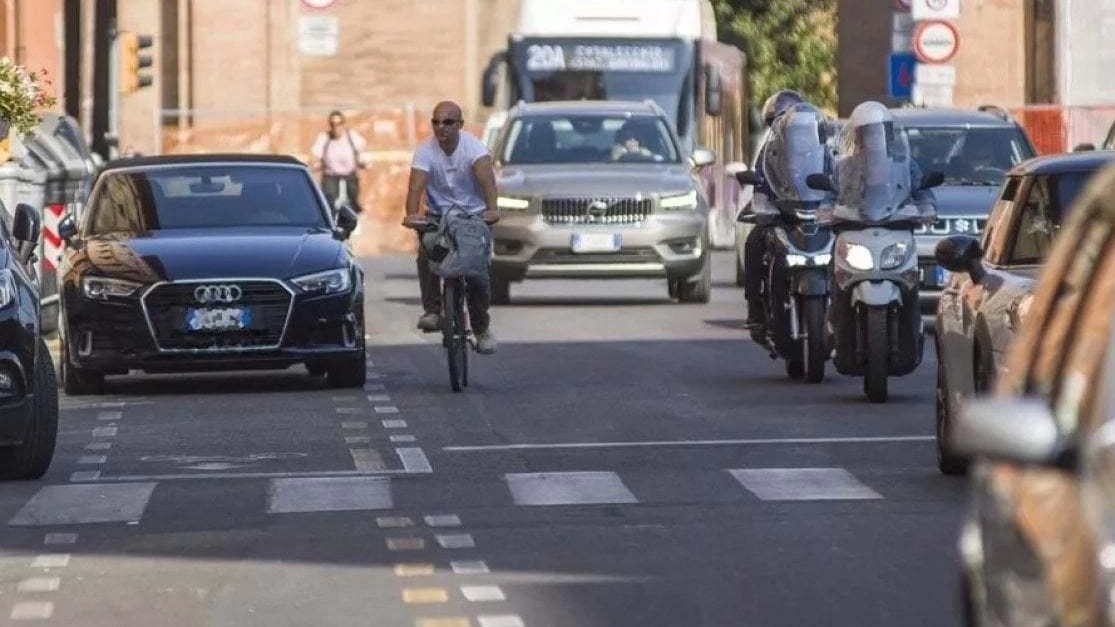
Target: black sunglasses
{"x": 446, "y": 122}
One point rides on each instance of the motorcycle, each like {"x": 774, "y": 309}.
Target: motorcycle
{"x": 874, "y": 323}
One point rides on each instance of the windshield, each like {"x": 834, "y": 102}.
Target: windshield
{"x": 590, "y": 138}
{"x": 872, "y": 166}
{"x": 205, "y": 197}
{"x": 1069, "y": 186}
{"x": 968, "y": 156}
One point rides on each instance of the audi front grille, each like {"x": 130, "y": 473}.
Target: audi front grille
{"x": 616, "y": 211}
{"x": 165, "y": 306}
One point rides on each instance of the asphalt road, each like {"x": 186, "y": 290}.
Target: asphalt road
{"x": 621, "y": 461}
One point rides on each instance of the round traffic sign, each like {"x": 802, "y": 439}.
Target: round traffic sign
{"x": 936, "y": 41}
{"x": 318, "y": 4}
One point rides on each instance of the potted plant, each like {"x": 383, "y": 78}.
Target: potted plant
{"x": 22, "y": 96}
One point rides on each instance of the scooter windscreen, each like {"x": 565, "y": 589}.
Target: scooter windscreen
{"x": 873, "y": 168}
{"x": 795, "y": 150}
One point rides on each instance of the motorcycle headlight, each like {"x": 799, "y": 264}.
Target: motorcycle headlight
{"x": 858, "y": 256}
{"x": 794, "y": 261}
{"x": 101, "y": 288}
{"x": 512, "y": 204}
{"x": 7, "y": 288}
{"x": 333, "y": 281}
{"x": 895, "y": 255}
{"x": 679, "y": 202}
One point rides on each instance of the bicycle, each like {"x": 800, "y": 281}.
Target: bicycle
{"x": 456, "y": 330}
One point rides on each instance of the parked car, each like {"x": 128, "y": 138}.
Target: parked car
{"x": 208, "y": 262}
{"x": 989, "y": 284}
{"x": 974, "y": 150}
{"x": 1038, "y": 546}
{"x": 593, "y": 189}
{"x": 28, "y": 391}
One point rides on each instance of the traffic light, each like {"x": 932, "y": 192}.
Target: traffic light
{"x": 134, "y": 63}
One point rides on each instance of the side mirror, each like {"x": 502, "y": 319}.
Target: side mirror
{"x": 26, "y": 224}
{"x": 67, "y": 229}
{"x": 346, "y": 221}
{"x": 713, "y": 91}
{"x": 746, "y": 217}
{"x": 961, "y": 253}
{"x": 1022, "y": 431}
{"x": 489, "y": 83}
{"x": 932, "y": 179}
{"x": 749, "y": 177}
{"x": 820, "y": 182}
{"x": 703, "y": 157}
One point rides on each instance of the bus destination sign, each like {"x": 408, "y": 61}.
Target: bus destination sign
{"x": 600, "y": 58}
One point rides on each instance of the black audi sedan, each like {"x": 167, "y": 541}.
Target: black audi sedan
{"x": 206, "y": 262}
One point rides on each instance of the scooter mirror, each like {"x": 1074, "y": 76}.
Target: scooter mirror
{"x": 932, "y": 179}
{"x": 749, "y": 177}
{"x": 820, "y": 182}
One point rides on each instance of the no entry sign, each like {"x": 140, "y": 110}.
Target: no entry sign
{"x": 318, "y": 4}
{"x": 936, "y": 41}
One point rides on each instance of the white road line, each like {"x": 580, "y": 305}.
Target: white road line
{"x": 329, "y": 494}
{"x": 105, "y": 432}
{"x": 394, "y": 424}
{"x": 749, "y": 441}
{"x": 456, "y": 540}
{"x": 85, "y": 475}
{"x": 32, "y": 610}
{"x": 476, "y": 567}
{"x": 110, "y": 415}
{"x": 343, "y": 399}
{"x": 373, "y": 387}
{"x": 402, "y": 438}
{"x": 51, "y": 560}
{"x": 59, "y": 538}
{"x": 568, "y": 488}
{"x": 357, "y": 439}
{"x": 379, "y": 398}
{"x": 354, "y": 424}
{"x": 347, "y": 410}
{"x": 98, "y": 446}
{"x": 86, "y": 460}
{"x": 803, "y": 484}
{"x": 414, "y": 460}
{"x": 502, "y": 620}
{"x": 373, "y": 375}
{"x": 39, "y": 584}
{"x": 187, "y": 476}
{"x": 386, "y": 409}
{"x": 443, "y": 520}
{"x": 80, "y": 504}
{"x": 366, "y": 459}
{"x": 483, "y": 594}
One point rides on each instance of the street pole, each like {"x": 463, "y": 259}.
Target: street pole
{"x": 112, "y": 138}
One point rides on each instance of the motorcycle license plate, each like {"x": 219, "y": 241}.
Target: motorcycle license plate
{"x": 218, "y": 319}
{"x": 595, "y": 242}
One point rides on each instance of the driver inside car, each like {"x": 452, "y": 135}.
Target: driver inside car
{"x": 628, "y": 146}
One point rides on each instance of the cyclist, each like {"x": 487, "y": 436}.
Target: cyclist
{"x": 453, "y": 170}
{"x": 336, "y": 153}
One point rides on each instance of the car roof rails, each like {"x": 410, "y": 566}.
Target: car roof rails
{"x": 997, "y": 111}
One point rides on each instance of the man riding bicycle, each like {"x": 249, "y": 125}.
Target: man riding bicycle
{"x": 454, "y": 171}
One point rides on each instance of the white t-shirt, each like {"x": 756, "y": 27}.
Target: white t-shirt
{"x": 452, "y": 182}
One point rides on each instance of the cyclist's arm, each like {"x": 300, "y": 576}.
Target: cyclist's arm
{"x": 486, "y": 177}
{"x": 415, "y": 188}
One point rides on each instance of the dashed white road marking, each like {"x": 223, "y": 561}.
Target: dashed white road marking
{"x": 414, "y": 460}
{"x": 374, "y": 387}
{"x": 98, "y": 446}
{"x": 443, "y": 520}
{"x": 366, "y": 459}
{"x": 327, "y": 494}
{"x": 347, "y": 410}
{"x": 80, "y": 504}
{"x": 51, "y": 560}
{"x": 660, "y": 443}
{"x": 343, "y": 399}
{"x": 502, "y": 620}
{"x": 39, "y": 584}
{"x": 402, "y": 438}
{"x": 476, "y": 567}
{"x": 86, "y": 460}
{"x": 482, "y": 594}
{"x": 354, "y": 424}
{"x": 110, "y": 415}
{"x": 803, "y": 484}
{"x": 394, "y": 424}
{"x": 85, "y": 475}
{"x": 456, "y": 540}
{"x": 60, "y": 538}
{"x": 105, "y": 432}
{"x": 357, "y": 439}
{"x": 568, "y": 488}
{"x": 379, "y": 398}
{"x": 386, "y": 409}
{"x": 32, "y": 610}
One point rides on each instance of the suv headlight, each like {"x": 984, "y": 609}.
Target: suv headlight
{"x": 333, "y": 281}
{"x": 679, "y": 202}
{"x": 101, "y": 288}
{"x": 512, "y": 204}
{"x": 857, "y": 256}
{"x": 7, "y": 288}
{"x": 894, "y": 255}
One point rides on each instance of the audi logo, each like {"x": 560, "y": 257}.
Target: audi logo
{"x": 206, "y": 294}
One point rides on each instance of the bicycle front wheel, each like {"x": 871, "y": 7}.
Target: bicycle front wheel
{"x": 455, "y": 342}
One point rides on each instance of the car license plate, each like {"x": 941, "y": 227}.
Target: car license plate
{"x": 222, "y": 319}
{"x": 595, "y": 242}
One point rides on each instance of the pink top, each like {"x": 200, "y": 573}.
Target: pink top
{"x": 339, "y": 155}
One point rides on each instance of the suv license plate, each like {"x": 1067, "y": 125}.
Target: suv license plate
{"x": 223, "y": 319}
{"x": 595, "y": 242}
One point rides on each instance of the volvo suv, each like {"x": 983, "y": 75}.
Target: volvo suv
{"x": 599, "y": 190}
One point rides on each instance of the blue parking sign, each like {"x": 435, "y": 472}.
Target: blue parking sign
{"x": 901, "y": 75}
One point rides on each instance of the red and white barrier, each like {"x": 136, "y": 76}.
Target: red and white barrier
{"x": 52, "y": 242}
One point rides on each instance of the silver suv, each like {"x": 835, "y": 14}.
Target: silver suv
{"x": 596, "y": 189}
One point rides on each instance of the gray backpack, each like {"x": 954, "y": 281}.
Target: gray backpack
{"x": 470, "y": 247}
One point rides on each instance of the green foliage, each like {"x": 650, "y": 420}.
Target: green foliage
{"x": 22, "y": 96}
{"x": 790, "y": 44}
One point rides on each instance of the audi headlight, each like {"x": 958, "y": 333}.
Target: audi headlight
{"x": 679, "y": 202}
{"x": 858, "y": 256}
{"x": 100, "y": 288}
{"x": 329, "y": 282}
{"x": 895, "y": 255}
{"x": 512, "y": 204}
{"x": 7, "y": 288}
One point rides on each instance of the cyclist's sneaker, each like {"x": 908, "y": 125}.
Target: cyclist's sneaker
{"x": 486, "y": 342}
{"x": 429, "y": 322}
